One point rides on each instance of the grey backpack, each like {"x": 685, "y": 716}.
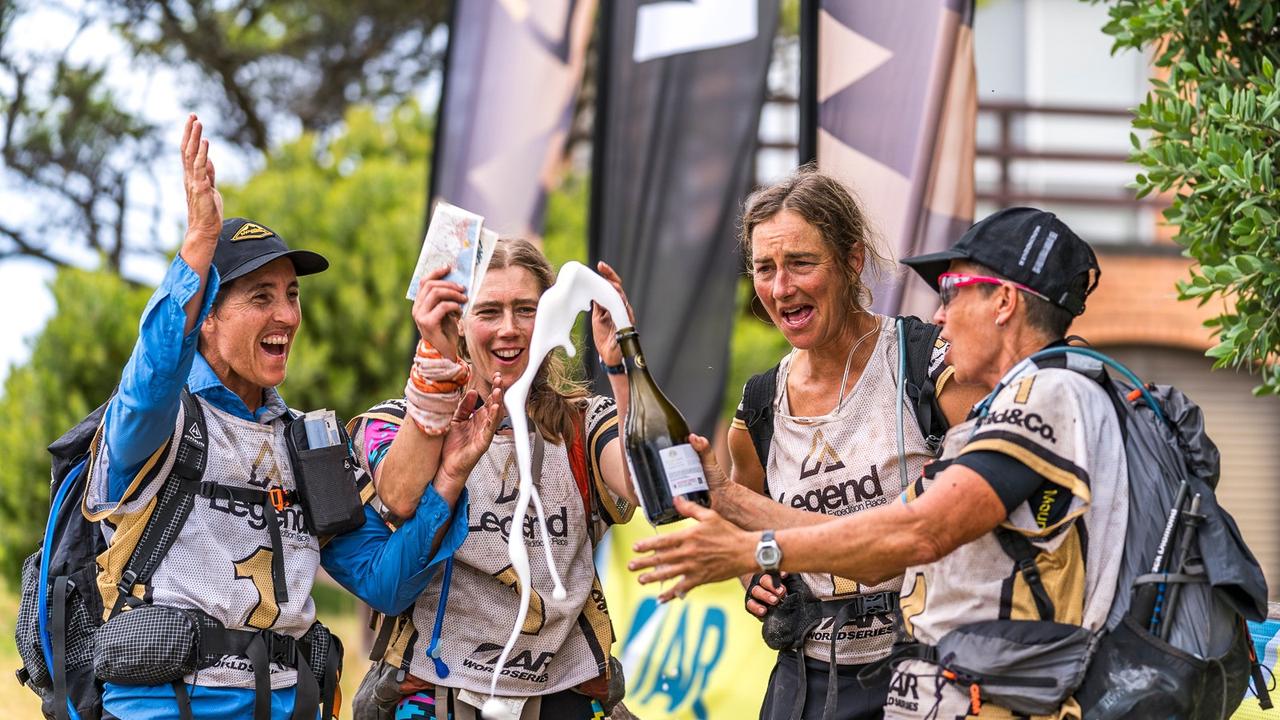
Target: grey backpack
{"x": 1175, "y": 644}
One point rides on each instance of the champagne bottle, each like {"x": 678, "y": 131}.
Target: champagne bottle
{"x": 663, "y": 464}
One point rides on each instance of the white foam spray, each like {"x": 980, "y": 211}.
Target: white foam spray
{"x": 558, "y": 308}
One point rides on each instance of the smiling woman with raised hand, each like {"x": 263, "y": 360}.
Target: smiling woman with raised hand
{"x": 439, "y": 658}
{"x": 212, "y": 552}
{"x": 820, "y": 432}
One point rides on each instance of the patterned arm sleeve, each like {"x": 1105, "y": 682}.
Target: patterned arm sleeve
{"x": 601, "y": 428}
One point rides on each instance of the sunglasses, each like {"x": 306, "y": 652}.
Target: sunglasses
{"x": 949, "y": 285}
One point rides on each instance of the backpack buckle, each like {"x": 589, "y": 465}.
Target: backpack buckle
{"x": 1030, "y": 571}
{"x": 127, "y": 580}
{"x": 278, "y": 499}
{"x": 877, "y": 604}
{"x": 280, "y": 647}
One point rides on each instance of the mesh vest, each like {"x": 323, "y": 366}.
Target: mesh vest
{"x": 1062, "y": 425}
{"x": 842, "y": 463}
{"x": 220, "y": 562}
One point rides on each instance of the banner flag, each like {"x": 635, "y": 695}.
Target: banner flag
{"x": 681, "y": 85}
{"x": 691, "y": 659}
{"x": 511, "y": 79}
{"x": 897, "y": 102}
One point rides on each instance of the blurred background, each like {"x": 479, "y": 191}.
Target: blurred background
{"x": 335, "y": 123}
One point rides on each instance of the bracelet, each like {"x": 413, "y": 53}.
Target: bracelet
{"x": 434, "y": 388}
{"x": 619, "y": 369}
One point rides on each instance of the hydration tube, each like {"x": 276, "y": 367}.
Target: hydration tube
{"x": 42, "y": 590}
{"x": 902, "y": 398}
{"x": 433, "y": 649}
{"x": 1087, "y": 352}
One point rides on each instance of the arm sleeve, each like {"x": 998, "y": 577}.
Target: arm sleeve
{"x": 1012, "y": 480}
{"x": 740, "y": 413}
{"x": 389, "y": 570}
{"x": 601, "y": 429}
{"x": 141, "y": 416}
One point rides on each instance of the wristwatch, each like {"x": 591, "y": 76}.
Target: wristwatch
{"x": 768, "y": 554}
{"x": 619, "y": 369}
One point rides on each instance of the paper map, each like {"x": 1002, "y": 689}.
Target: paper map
{"x": 453, "y": 237}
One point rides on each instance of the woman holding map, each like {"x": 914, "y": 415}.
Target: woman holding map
{"x": 444, "y": 645}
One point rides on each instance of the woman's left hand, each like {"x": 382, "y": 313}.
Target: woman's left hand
{"x": 713, "y": 550}
{"x": 470, "y": 432}
{"x": 602, "y": 326}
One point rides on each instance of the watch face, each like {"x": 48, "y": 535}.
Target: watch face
{"x": 768, "y": 556}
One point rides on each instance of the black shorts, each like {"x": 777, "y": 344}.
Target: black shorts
{"x": 563, "y": 705}
{"x": 853, "y": 702}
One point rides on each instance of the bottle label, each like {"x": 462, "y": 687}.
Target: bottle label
{"x": 684, "y": 469}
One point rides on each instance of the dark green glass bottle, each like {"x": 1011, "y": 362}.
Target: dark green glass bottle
{"x": 656, "y": 437}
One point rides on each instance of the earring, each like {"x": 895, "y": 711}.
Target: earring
{"x": 766, "y": 319}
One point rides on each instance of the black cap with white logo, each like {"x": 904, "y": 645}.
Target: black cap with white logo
{"x": 1025, "y": 245}
{"x": 245, "y": 246}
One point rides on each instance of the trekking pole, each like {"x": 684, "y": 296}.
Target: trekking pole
{"x": 1148, "y": 599}
{"x": 1191, "y": 520}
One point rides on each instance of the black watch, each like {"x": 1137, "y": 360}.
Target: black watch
{"x": 619, "y": 369}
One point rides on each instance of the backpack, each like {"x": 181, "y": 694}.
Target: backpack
{"x": 63, "y": 616}
{"x": 60, "y": 607}
{"x": 1175, "y": 643}
{"x": 919, "y": 351}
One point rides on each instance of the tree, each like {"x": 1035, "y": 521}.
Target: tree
{"x": 261, "y": 60}
{"x": 75, "y": 362}
{"x": 1214, "y": 143}
{"x": 72, "y": 151}
{"x": 265, "y": 69}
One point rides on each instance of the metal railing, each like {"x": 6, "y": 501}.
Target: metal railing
{"x": 1010, "y": 150}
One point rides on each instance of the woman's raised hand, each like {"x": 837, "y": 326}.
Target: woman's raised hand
{"x": 204, "y": 202}
{"x": 470, "y": 432}
{"x": 603, "y": 328}
{"x": 437, "y": 311}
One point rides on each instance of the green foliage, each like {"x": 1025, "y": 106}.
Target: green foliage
{"x": 1214, "y": 143}
{"x": 75, "y": 362}
{"x": 360, "y": 201}
{"x": 257, "y": 61}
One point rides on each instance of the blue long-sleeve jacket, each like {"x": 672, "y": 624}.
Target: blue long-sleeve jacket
{"x": 385, "y": 569}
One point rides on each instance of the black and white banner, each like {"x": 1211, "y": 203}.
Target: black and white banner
{"x": 511, "y": 79}
{"x": 681, "y": 85}
{"x": 894, "y": 117}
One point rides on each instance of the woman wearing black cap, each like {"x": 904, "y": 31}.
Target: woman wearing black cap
{"x": 198, "y": 427}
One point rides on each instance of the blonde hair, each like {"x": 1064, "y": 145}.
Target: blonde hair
{"x": 555, "y": 398}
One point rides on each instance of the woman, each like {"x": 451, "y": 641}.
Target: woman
{"x": 560, "y": 666}
{"x": 833, "y": 417}
{"x": 240, "y": 558}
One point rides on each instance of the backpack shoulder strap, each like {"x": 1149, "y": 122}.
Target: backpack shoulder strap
{"x": 1023, "y": 553}
{"x": 757, "y": 409}
{"x": 173, "y": 505}
{"x": 578, "y": 465}
{"x": 923, "y": 359}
